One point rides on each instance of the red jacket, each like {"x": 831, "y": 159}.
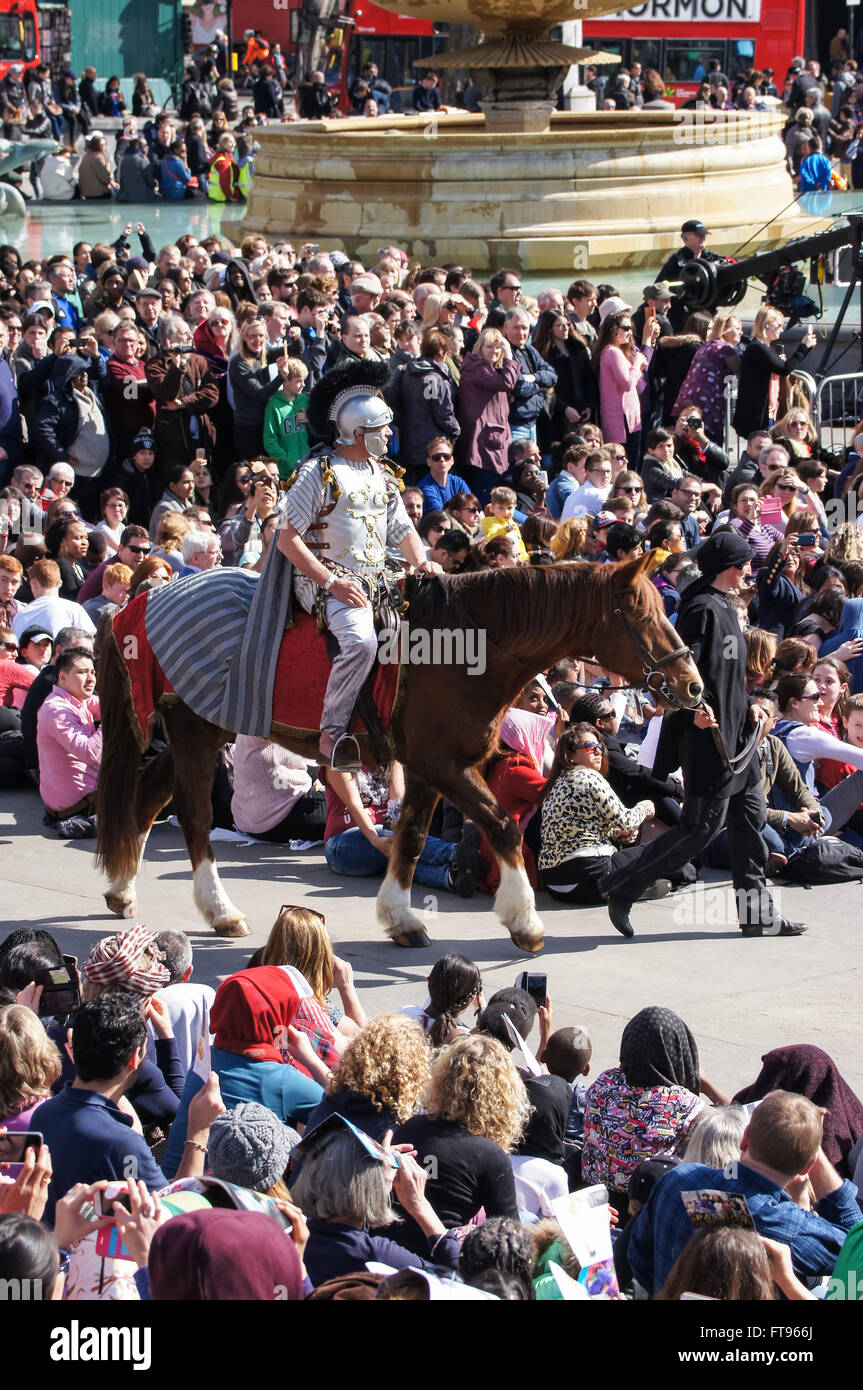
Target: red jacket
{"x": 128, "y": 399}
{"x": 515, "y": 782}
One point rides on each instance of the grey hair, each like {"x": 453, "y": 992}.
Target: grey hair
{"x": 714, "y": 1138}
{"x": 517, "y": 314}
{"x": 771, "y": 449}
{"x": 71, "y": 637}
{"x": 178, "y": 953}
{"x": 194, "y": 543}
{"x": 340, "y": 1182}
{"x": 170, "y": 326}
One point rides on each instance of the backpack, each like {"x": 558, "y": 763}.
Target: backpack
{"x": 828, "y": 860}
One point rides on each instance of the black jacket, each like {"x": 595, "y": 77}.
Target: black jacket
{"x": 679, "y": 312}
{"x": 758, "y": 364}
{"x": 631, "y": 781}
{"x": 268, "y": 98}
{"x": 314, "y": 101}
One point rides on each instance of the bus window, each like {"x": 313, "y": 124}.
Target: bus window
{"x": 647, "y": 52}
{"x": 608, "y": 71}
{"x": 688, "y": 62}
{"x": 741, "y": 56}
{"x": 29, "y": 39}
{"x": 12, "y": 38}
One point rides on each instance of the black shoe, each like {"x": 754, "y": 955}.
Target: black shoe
{"x": 659, "y": 889}
{"x": 781, "y": 927}
{"x": 618, "y": 915}
{"x": 466, "y": 865}
{"x": 76, "y": 828}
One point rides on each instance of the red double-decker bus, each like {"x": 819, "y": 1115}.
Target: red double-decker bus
{"x": 19, "y": 34}
{"x": 680, "y": 38}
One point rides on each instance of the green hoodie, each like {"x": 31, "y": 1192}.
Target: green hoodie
{"x": 285, "y": 440}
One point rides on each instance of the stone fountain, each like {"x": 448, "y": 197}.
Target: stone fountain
{"x": 523, "y": 185}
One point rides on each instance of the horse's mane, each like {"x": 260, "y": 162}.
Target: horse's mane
{"x": 542, "y": 595}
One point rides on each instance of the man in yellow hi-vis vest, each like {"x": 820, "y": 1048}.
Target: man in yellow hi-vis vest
{"x": 223, "y": 180}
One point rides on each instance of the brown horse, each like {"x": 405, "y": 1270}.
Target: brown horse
{"x": 518, "y": 622}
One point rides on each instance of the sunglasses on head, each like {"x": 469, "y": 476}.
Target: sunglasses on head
{"x": 301, "y": 907}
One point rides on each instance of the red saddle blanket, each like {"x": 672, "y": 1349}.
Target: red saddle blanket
{"x": 302, "y": 673}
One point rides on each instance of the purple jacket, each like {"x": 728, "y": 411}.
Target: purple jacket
{"x": 484, "y": 397}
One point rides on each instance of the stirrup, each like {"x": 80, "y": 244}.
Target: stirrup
{"x": 343, "y": 758}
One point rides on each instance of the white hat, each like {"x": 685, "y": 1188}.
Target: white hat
{"x": 62, "y": 470}
{"x": 613, "y": 305}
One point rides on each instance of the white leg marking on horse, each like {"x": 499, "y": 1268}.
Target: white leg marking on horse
{"x": 213, "y": 902}
{"x": 121, "y": 896}
{"x": 394, "y": 908}
{"x": 515, "y": 906}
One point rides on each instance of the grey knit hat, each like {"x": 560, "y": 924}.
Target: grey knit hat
{"x": 250, "y": 1146}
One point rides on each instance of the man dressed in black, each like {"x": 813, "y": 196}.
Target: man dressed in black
{"x": 713, "y": 794}
{"x": 694, "y": 235}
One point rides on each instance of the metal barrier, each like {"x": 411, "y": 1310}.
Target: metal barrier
{"x": 838, "y": 407}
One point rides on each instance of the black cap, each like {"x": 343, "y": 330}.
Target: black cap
{"x": 694, "y": 226}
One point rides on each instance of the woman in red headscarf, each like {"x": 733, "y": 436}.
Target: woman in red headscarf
{"x": 255, "y": 1051}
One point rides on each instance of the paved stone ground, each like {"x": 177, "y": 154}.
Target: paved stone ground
{"x": 740, "y": 998}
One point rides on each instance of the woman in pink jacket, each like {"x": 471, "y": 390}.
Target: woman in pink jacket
{"x": 623, "y": 380}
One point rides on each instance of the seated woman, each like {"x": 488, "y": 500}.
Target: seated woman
{"x": 760, "y": 656}
{"x": 344, "y": 1191}
{"x": 254, "y": 1052}
{"x": 30, "y": 1066}
{"x": 820, "y": 618}
{"x": 627, "y": 778}
{"x": 274, "y": 798}
{"x": 361, "y": 810}
{"x": 299, "y": 942}
{"x": 381, "y": 1079}
{"x": 454, "y": 984}
{"x": 834, "y": 682}
{"x": 476, "y": 1111}
{"x": 583, "y": 821}
{"x": 645, "y": 1106}
{"x": 807, "y": 1071}
{"x": 66, "y": 542}
{"x": 847, "y": 641}
{"x": 799, "y": 698}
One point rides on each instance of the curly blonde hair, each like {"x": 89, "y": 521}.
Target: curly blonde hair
{"x": 569, "y": 539}
{"x": 29, "y": 1061}
{"x": 388, "y": 1061}
{"x": 474, "y": 1082}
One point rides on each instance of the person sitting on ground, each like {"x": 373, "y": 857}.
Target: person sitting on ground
{"x": 381, "y": 1079}
{"x": 187, "y": 1002}
{"x": 807, "y": 1071}
{"x": 30, "y": 1066}
{"x": 454, "y": 984}
{"x": 583, "y": 821}
{"x": 644, "y": 1106}
{"x": 728, "y": 1263}
{"x": 298, "y": 941}
{"x": 567, "y": 1054}
{"x": 476, "y": 1111}
{"x": 627, "y": 779}
{"x": 274, "y": 797}
{"x": 69, "y": 744}
{"x": 254, "y": 1052}
{"x": 48, "y": 609}
{"x": 89, "y": 1132}
{"x": 343, "y": 1191}
{"x": 781, "y": 1157}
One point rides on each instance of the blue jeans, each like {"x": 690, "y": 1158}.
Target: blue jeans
{"x": 523, "y": 432}
{"x": 350, "y": 853}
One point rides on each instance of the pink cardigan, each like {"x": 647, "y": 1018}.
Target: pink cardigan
{"x": 621, "y": 384}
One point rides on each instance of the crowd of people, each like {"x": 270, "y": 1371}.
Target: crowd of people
{"x": 154, "y": 418}
{"x": 270, "y": 1141}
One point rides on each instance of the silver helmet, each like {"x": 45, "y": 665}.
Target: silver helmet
{"x": 357, "y": 409}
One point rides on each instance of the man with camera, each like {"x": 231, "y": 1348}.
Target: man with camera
{"x": 695, "y": 452}
{"x": 694, "y": 235}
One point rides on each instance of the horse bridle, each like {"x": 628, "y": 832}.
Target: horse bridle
{"x": 654, "y": 679}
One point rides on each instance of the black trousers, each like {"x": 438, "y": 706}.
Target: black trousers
{"x": 633, "y": 869}
{"x": 305, "y": 821}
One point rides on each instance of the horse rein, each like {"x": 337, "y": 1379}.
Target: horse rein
{"x": 654, "y": 679}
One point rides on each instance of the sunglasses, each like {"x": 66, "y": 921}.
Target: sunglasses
{"x": 139, "y": 549}
{"x": 437, "y": 527}
{"x": 475, "y": 510}
{"x": 815, "y": 696}
{"x": 9, "y": 646}
{"x": 786, "y": 487}
{"x": 588, "y": 748}
{"x": 510, "y": 287}
{"x": 633, "y": 490}
{"x": 439, "y": 458}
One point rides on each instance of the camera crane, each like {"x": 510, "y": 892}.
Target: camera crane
{"x": 712, "y": 285}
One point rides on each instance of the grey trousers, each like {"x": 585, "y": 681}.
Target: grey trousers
{"x": 354, "y": 630}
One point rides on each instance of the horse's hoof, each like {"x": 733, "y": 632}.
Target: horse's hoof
{"x": 239, "y": 927}
{"x": 412, "y": 938}
{"x": 530, "y": 944}
{"x": 121, "y": 906}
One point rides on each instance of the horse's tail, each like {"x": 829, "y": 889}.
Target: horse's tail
{"x": 118, "y": 832}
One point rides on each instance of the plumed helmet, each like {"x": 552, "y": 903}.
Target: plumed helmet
{"x": 355, "y": 409}
{"x": 348, "y": 396}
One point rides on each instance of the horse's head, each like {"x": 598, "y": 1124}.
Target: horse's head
{"x": 639, "y": 642}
